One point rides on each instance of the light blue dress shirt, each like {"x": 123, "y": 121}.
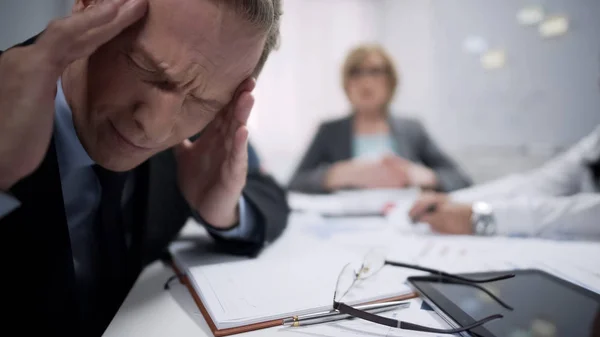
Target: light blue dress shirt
{"x": 82, "y": 191}
{"x": 373, "y": 146}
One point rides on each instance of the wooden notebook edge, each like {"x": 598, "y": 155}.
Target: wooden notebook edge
{"x": 256, "y": 326}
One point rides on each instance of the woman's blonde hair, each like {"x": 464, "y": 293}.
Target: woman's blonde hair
{"x": 359, "y": 54}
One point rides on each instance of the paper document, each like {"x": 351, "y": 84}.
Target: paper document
{"x": 243, "y": 293}
{"x": 571, "y": 261}
{"x": 358, "y": 202}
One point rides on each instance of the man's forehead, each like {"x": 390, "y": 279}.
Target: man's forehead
{"x": 207, "y": 27}
{"x": 197, "y": 38}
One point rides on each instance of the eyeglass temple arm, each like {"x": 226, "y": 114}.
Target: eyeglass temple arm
{"x": 346, "y": 309}
{"x": 416, "y": 327}
{"x": 441, "y": 273}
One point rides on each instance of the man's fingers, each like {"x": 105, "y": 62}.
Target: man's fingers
{"x": 60, "y": 34}
{"x": 248, "y": 85}
{"x": 435, "y": 222}
{"x": 79, "y": 35}
{"x": 238, "y": 117}
{"x": 244, "y": 107}
{"x": 239, "y": 153}
{"x": 237, "y": 113}
{"x": 131, "y": 12}
{"x": 418, "y": 210}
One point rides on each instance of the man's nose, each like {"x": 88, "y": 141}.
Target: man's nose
{"x": 158, "y": 114}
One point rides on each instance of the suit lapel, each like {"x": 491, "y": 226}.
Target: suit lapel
{"x": 399, "y": 133}
{"x": 343, "y": 148}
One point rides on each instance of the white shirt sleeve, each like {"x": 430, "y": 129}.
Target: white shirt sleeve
{"x": 571, "y": 217}
{"x": 551, "y": 201}
{"x": 7, "y": 204}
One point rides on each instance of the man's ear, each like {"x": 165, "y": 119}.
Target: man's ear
{"x": 81, "y": 5}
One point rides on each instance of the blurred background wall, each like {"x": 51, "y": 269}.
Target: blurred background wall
{"x": 493, "y": 121}
{"x": 21, "y": 19}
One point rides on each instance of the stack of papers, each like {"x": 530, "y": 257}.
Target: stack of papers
{"x": 350, "y": 203}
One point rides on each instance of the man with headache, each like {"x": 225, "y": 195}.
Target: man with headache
{"x": 118, "y": 123}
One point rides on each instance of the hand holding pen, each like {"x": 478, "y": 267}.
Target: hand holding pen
{"x": 426, "y": 204}
{"x": 442, "y": 214}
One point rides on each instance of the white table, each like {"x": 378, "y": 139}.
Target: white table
{"x": 150, "y": 310}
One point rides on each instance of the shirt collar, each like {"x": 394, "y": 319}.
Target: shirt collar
{"x": 70, "y": 151}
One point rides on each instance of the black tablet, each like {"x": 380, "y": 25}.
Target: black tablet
{"x": 542, "y": 305}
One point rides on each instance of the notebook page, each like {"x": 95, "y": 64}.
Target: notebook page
{"x": 248, "y": 292}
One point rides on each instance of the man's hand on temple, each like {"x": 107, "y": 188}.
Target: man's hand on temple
{"x": 212, "y": 170}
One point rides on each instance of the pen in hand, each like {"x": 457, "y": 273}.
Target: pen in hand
{"x": 334, "y": 315}
{"x": 430, "y": 209}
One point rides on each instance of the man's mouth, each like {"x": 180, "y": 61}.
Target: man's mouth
{"x": 126, "y": 140}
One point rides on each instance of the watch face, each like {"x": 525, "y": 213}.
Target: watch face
{"x": 482, "y": 208}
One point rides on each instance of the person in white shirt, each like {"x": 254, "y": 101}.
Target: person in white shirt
{"x": 559, "y": 200}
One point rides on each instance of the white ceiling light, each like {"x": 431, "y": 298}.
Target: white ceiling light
{"x": 531, "y": 15}
{"x": 493, "y": 59}
{"x": 554, "y": 26}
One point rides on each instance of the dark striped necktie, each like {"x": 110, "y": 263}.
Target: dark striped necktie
{"x": 112, "y": 248}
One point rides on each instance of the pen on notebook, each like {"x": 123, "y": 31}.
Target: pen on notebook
{"x": 430, "y": 209}
{"x": 334, "y": 315}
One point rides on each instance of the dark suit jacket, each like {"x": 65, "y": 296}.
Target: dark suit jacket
{"x": 38, "y": 274}
{"x": 333, "y": 143}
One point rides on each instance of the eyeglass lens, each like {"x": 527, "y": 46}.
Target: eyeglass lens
{"x": 362, "y": 72}
{"x": 350, "y": 275}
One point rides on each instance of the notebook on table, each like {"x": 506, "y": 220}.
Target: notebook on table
{"x": 254, "y": 294}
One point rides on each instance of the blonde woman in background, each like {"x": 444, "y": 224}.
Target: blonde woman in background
{"x": 370, "y": 148}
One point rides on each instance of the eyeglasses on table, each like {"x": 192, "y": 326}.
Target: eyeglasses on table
{"x": 374, "y": 261}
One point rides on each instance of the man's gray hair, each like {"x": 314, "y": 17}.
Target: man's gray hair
{"x": 265, "y": 14}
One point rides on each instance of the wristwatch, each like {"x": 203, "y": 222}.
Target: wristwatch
{"x": 482, "y": 219}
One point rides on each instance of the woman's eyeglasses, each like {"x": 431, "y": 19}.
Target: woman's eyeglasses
{"x": 360, "y": 72}
{"x": 374, "y": 262}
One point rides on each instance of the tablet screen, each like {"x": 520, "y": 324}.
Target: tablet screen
{"x": 542, "y": 305}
